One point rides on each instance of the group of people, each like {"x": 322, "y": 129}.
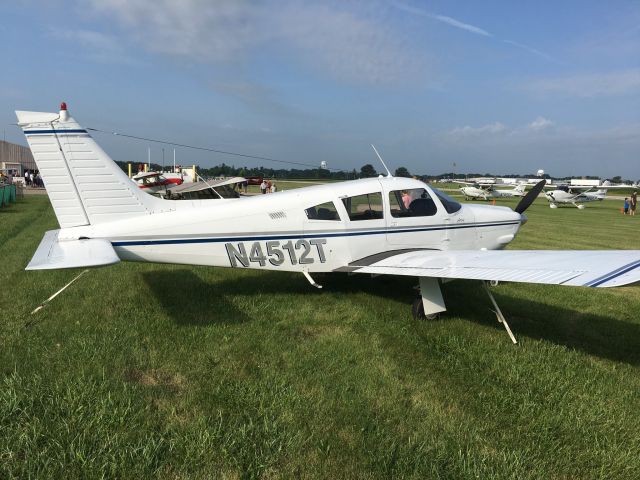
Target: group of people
{"x": 267, "y": 187}
{"x": 630, "y": 204}
{"x": 33, "y": 179}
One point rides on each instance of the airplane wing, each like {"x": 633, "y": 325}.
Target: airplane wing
{"x": 463, "y": 182}
{"x": 589, "y": 268}
{"x": 202, "y": 185}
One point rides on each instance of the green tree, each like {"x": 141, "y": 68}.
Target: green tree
{"x": 368, "y": 171}
{"x": 402, "y": 172}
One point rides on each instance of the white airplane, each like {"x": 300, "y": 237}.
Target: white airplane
{"x": 486, "y": 191}
{"x": 577, "y": 195}
{"x": 154, "y": 182}
{"x": 204, "y": 190}
{"x": 360, "y": 226}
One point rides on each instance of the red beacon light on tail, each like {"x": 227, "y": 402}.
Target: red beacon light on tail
{"x": 64, "y": 115}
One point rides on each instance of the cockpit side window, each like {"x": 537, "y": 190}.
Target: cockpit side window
{"x": 364, "y": 207}
{"x": 449, "y": 204}
{"x": 324, "y": 211}
{"x": 411, "y": 203}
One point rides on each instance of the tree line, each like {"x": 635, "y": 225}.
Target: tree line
{"x": 366, "y": 171}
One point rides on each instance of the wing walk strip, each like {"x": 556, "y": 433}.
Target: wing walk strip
{"x": 329, "y": 234}
{"x": 614, "y": 274}
{"x": 378, "y": 257}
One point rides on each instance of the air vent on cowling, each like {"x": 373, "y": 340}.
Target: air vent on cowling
{"x": 277, "y": 215}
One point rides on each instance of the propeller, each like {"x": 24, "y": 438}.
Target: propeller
{"x": 528, "y": 199}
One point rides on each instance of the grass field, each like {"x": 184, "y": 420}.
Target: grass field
{"x": 159, "y": 371}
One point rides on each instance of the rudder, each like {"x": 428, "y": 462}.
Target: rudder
{"x": 84, "y": 184}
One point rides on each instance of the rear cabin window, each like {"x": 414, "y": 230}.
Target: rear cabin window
{"x": 364, "y": 207}
{"x": 411, "y": 203}
{"x": 324, "y": 211}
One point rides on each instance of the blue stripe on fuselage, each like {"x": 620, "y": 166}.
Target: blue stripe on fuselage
{"x": 127, "y": 243}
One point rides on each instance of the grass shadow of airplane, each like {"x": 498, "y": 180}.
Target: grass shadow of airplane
{"x": 593, "y": 334}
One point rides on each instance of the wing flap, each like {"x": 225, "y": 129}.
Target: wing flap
{"x": 603, "y": 268}
{"x": 53, "y": 253}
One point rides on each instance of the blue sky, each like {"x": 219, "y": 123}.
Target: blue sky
{"x": 496, "y": 86}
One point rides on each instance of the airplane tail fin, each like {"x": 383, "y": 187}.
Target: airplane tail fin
{"x": 602, "y": 191}
{"x": 85, "y": 186}
{"x": 521, "y": 187}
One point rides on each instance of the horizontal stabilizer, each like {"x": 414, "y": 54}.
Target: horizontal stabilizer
{"x": 90, "y": 252}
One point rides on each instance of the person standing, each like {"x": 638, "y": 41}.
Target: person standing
{"x": 633, "y": 203}
{"x": 626, "y": 205}
{"x": 263, "y": 187}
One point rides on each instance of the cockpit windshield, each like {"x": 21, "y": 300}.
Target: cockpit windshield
{"x": 449, "y": 204}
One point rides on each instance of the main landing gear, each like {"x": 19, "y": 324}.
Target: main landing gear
{"x": 429, "y": 303}
{"x": 417, "y": 310}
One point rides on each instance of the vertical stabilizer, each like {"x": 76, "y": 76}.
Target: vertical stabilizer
{"x": 602, "y": 191}
{"x": 84, "y": 185}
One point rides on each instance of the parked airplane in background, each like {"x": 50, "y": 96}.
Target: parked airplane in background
{"x": 486, "y": 191}
{"x": 577, "y": 195}
{"x": 155, "y": 182}
{"x": 362, "y": 226}
{"x": 204, "y": 190}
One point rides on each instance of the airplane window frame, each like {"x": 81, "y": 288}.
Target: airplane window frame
{"x": 405, "y": 212}
{"x": 347, "y": 203}
{"x": 451, "y": 205}
{"x": 314, "y": 216}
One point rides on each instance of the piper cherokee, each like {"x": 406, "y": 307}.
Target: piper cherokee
{"x": 362, "y": 226}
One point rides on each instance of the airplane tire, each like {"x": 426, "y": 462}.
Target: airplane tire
{"x": 417, "y": 310}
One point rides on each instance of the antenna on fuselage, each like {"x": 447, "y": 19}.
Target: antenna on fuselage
{"x": 381, "y": 161}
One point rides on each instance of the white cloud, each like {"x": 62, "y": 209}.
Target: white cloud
{"x": 463, "y": 26}
{"x": 328, "y": 37}
{"x": 540, "y": 123}
{"x": 470, "y": 28}
{"x": 468, "y": 131}
{"x": 589, "y": 85}
{"x": 442, "y": 18}
{"x": 562, "y": 150}
{"x": 499, "y": 132}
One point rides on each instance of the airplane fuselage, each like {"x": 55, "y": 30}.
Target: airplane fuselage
{"x": 487, "y": 193}
{"x": 282, "y": 231}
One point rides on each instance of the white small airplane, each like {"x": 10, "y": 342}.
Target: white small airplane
{"x": 486, "y": 191}
{"x": 577, "y": 195}
{"x": 154, "y": 182}
{"x": 360, "y": 226}
{"x": 204, "y": 190}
